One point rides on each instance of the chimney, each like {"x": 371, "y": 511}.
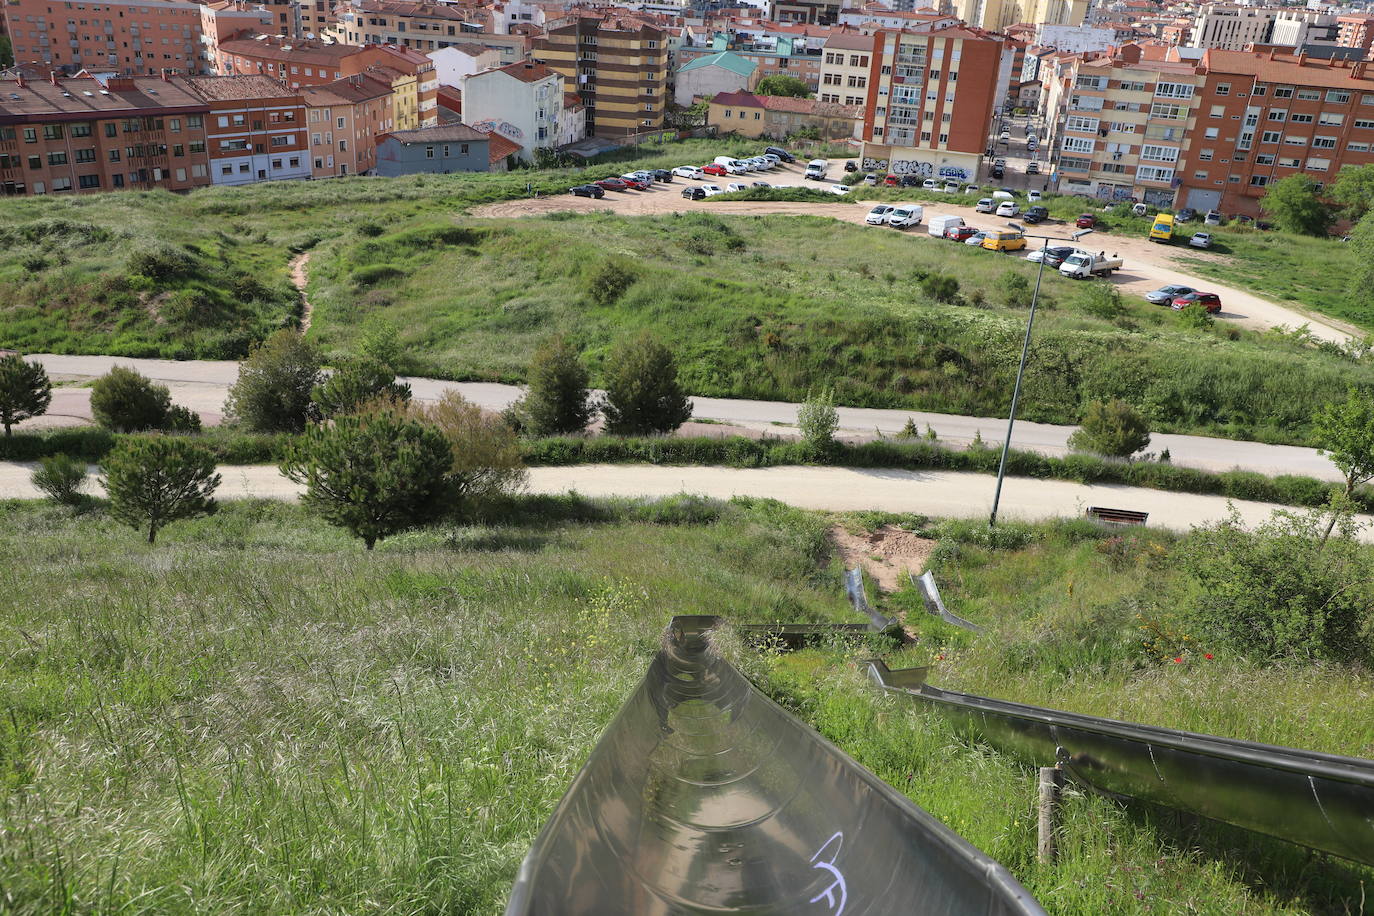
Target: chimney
{"x": 52, "y": 77}
{"x": 1302, "y": 58}
{"x": 20, "y": 77}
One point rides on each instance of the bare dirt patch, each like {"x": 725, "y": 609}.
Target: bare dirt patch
{"x": 887, "y": 555}
{"x": 299, "y": 264}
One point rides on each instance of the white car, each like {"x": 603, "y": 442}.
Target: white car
{"x": 1034, "y": 196}
{"x": 734, "y": 169}
{"x": 930, "y": 184}
{"x": 772, "y": 160}
{"x": 879, "y": 214}
{"x": 984, "y": 205}
{"x": 735, "y": 186}
{"x": 838, "y": 189}
{"x": 1201, "y": 240}
{"x": 951, "y": 187}
{"x": 712, "y": 189}
{"x": 976, "y": 239}
{"x": 1008, "y": 208}
{"x": 761, "y": 162}
{"x": 689, "y": 171}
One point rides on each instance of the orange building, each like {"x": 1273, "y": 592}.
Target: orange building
{"x": 85, "y": 134}
{"x": 297, "y": 62}
{"x": 1356, "y": 31}
{"x": 344, "y": 119}
{"x": 255, "y": 130}
{"x": 127, "y": 37}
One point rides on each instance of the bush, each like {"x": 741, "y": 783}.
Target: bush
{"x": 1195, "y": 315}
{"x": 557, "y": 400}
{"x": 941, "y": 287}
{"x": 1112, "y": 428}
{"x": 161, "y": 264}
{"x": 1280, "y": 591}
{"x": 1103, "y": 301}
{"x": 25, "y": 391}
{"x": 89, "y": 443}
{"x": 180, "y": 419}
{"x": 1013, "y": 290}
{"x": 355, "y": 383}
{"x": 817, "y": 419}
{"x": 272, "y": 393}
{"x": 373, "y": 474}
{"x": 126, "y": 401}
{"x": 61, "y": 479}
{"x": 155, "y": 480}
{"x": 642, "y": 391}
{"x": 608, "y": 280}
{"x": 486, "y": 452}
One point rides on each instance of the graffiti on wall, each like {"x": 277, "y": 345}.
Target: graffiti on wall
{"x": 916, "y": 168}
{"x": 504, "y": 128}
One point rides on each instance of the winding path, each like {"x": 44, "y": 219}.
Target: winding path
{"x": 299, "y": 278}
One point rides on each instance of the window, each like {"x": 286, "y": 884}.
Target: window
{"x": 35, "y": 162}
{"x": 57, "y": 158}
{"x": 111, "y": 129}
{"x": 1282, "y": 92}
{"x": 1077, "y": 145}
{"x": 1096, "y": 83}
{"x": 339, "y": 124}
{"x": 114, "y": 155}
{"x": 1308, "y": 95}
{"x": 651, "y": 43}
{"x": 61, "y": 184}
{"x": 1167, "y": 111}
{"x": 1200, "y": 176}
{"x": 1294, "y": 141}
{"x": 1205, "y": 155}
{"x": 1159, "y": 153}
{"x": 1154, "y": 173}
{"x": 343, "y": 146}
{"x": 1074, "y": 164}
{"x": 197, "y": 146}
{"x": 1300, "y": 119}
{"x": 1289, "y": 162}
{"x": 1323, "y": 142}
{"x": 1132, "y": 86}
{"x": 1340, "y": 96}
{"x": 224, "y": 121}
{"x": 85, "y": 155}
{"x": 1318, "y": 165}
{"x": 1264, "y": 159}
{"x": 1278, "y": 114}
{"x": 181, "y": 174}
{"x": 1088, "y": 125}
{"x": 1174, "y": 90}
{"x": 1331, "y": 119}
{"x": 1211, "y": 133}
{"x": 1260, "y": 89}
{"x": 226, "y": 170}
{"x": 1258, "y": 181}
{"x": 236, "y": 146}
{"x": 174, "y": 124}
{"x": 1217, "y": 111}
{"x": 1223, "y": 89}
{"x": 1357, "y": 147}
{"x": 195, "y": 122}
{"x": 198, "y": 170}
{"x": 81, "y": 130}
{"x": 1270, "y": 136}
{"x": 178, "y": 150}
{"x": 429, "y": 152}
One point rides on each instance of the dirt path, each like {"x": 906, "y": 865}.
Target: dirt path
{"x": 887, "y": 555}
{"x": 299, "y": 264}
{"x": 1148, "y": 265}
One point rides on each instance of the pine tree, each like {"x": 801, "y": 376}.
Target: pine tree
{"x": 25, "y": 391}
{"x": 642, "y": 392}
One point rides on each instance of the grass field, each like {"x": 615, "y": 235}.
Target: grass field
{"x": 254, "y": 716}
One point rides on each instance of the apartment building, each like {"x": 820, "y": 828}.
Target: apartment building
{"x": 225, "y": 20}
{"x": 1222, "y": 25}
{"x": 998, "y": 15}
{"x": 921, "y": 117}
{"x": 413, "y": 77}
{"x": 455, "y": 62}
{"x": 756, "y": 116}
{"x": 706, "y": 77}
{"x": 1265, "y": 116}
{"x": 297, "y": 62}
{"x": 421, "y": 25}
{"x": 1121, "y": 126}
{"x": 345, "y": 118}
{"x": 255, "y": 129}
{"x": 877, "y": 16}
{"x": 86, "y": 134}
{"x": 1355, "y": 31}
{"x": 522, "y": 102}
{"x": 129, "y": 37}
{"x": 846, "y": 68}
{"x": 617, "y": 63}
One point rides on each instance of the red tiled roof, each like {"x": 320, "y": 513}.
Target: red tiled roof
{"x": 225, "y": 88}
{"x": 1286, "y": 69}
{"x": 785, "y": 103}
{"x": 499, "y": 148}
{"x": 526, "y": 71}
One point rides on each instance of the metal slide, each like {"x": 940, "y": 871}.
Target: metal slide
{"x": 1322, "y": 801}
{"x": 704, "y": 796}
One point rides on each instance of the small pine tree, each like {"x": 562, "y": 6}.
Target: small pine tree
{"x": 25, "y": 391}
{"x": 642, "y": 392}
{"x": 557, "y": 401}
{"x": 153, "y": 481}
{"x": 272, "y": 393}
{"x": 125, "y": 401}
{"x": 374, "y": 473}
{"x": 1112, "y": 428}
{"x": 381, "y": 340}
{"x": 61, "y": 479}
{"x": 355, "y": 383}
{"x": 817, "y": 419}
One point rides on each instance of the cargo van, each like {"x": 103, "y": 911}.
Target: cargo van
{"x": 938, "y": 224}
{"x": 1162, "y": 229}
{"x": 817, "y": 168}
{"x": 1004, "y": 240}
{"x": 731, "y": 165}
{"x": 906, "y": 216}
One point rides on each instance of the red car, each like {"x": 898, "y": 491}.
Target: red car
{"x": 639, "y": 184}
{"x": 612, "y": 184}
{"x": 1210, "y": 301}
{"x": 959, "y": 233}
{"x": 1086, "y": 221}
{"x": 713, "y": 169}
{"x": 891, "y": 181}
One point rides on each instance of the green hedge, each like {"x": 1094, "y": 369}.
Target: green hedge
{"x": 90, "y": 443}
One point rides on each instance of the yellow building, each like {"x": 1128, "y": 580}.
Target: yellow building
{"x": 996, "y": 15}
{"x": 617, "y": 63}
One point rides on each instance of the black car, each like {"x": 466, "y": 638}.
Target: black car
{"x": 663, "y": 175}
{"x": 1187, "y": 214}
{"x": 781, "y": 153}
{"x": 1035, "y": 215}
{"x": 851, "y": 166}
{"x": 760, "y": 184}
{"x": 587, "y": 190}
{"x": 1056, "y": 255}
{"x": 997, "y": 171}
{"x": 694, "y": 193}
{"x": 909, "y": 181}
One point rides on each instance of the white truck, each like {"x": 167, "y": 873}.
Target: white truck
{"x": 906, "y": 216}
{"x": 816, "y": 169}
{"x": 1084, "y": 264}
{"x": 938, "y": 224}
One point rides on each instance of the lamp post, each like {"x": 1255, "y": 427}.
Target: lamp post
{"x": 1025, "y": 350}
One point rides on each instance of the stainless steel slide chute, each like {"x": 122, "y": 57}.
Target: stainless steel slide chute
{"x": 705, "y": 796}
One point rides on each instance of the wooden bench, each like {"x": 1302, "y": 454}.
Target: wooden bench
{"x": 1116, "y": 516}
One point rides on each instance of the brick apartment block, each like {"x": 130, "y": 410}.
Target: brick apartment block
{"x": 255, "y": 129}
{"x": 132, "y": 37}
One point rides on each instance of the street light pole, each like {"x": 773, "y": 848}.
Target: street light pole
{"x": 1025, "y": 351}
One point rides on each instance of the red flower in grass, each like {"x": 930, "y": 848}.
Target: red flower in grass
{"x": 1207, "y": 655}
{"x": 1178, "y": 659}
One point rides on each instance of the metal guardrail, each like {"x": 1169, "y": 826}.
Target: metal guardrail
{"x": 930, "y": 593}
{"x": 1322, "y": 801}
{"x": 703, "y": 795}
{"x": 858, "y": 597}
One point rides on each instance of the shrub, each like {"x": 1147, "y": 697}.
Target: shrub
{"x": 373, "y": 474}
{"x": 180, "y": 419}
{"x": 557, "y": 400}
{"x": 817, "y": 419}
{"x": 273, "y": 390}
{"x": 25, "y": 391}
{"x": 1281, "y": 591}
{"x": 126, "y": 401}
{"x": 155, "y": 480}
{"x": 1111, "y": 428}
{"x": 61, "y": 479}
{"x": 486, "y": 453}
{"x": 356, "y": 382}
{"x": 941, "y": 287}
{"x": 161, "y": 264}
{"x": 1013, "y": 290}
{"x": 608, "y": 280}
{"x": 381, "y": 341}
{"x": 89, "y": 443}
{"x": 642, "y": 391}
{"x": 1195, "y": 315}
{"x": 1103, "y": 301}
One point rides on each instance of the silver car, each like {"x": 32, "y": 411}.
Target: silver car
{"x": 1167, "y": 294}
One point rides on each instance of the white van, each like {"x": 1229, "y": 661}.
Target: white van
{"x": 938, "y": 224}
{"x": 731, "y": 165}
{"x": 905, "y": 216}
{"x": 817, "y": 168}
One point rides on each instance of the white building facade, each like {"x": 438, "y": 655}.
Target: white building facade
{"x": 522, "y": 102}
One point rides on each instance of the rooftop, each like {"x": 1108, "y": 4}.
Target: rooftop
{"x": 525, "y": 71}
{"x": 347, "y": 91}
{"x": 448, "y": 133}
{"x": 411, "y": 9}
{"x": 225, "y": 88}
{"x": 1269, "y": 67}
{"x": 499, "y": 148}
{"x": 785, "y": 103}
{"x": 277, "y": 47}
{"x": 727, "y": 60}
{"x": 86, "y": 96}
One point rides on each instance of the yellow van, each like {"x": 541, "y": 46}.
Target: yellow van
{"x": 1162, "y": 230}
{"x": 1004, "y": 240}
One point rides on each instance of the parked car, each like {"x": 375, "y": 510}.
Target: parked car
{"x": 712, "y": 190}
{"x": 879, "y": 214}
{"x": 689, "y": 171}
{"x": 930, "y": 184}
{"x": 999, "y": 161}
{"x": 816, "y": 169}
{"x": 851, "y": 166}
{"x": 1036, "y": 215}
{"x": 663, "y": 175}
{"x": 909, "y": 181}
{"x": 959, "y": 233}
{"x": 1186, "y": 215}
{"x": 1085, "y": 221}
{"x": 694, "y": 193}
{"x": 984, "y": 205}
{"x": 760, "y": 184}
{"x": 1210, "y": 301}
{"x": 612, "y": 184}
{"x": 1201, "y": 240}
{"x": 997, "y": 171}
{"x": 643, "y": 174}
{"x": 716, "y": 170}
{"x": 1084, "y": 264}
{"x": 905, "y": 216}
{"x": 870, "y": 179}
{"x": 586, "y": 190}
{"x": 976, "y": 239}
{"x": 1052, "y": 257}
{"x": 736, "y": 186}
{"x": 1213, "y": 218}
{"x": 1167, "y": 294}
{"x": 891, "y": 181}
{"x": 1034, "y": 196}
{"x": 1004, "y": 240}
{"x": 1008, "y": 208}
{"x": 773, "y": 161}
{"x": 951, "y": 187}
{"x": 781, "y": 153}
{"x": 839, "y": 189}
{"x": 1003, "y": 194}
{"x": 639, "y": 184}
{"x": 939, "y": 222}
{"x": 1032, "y": 168}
